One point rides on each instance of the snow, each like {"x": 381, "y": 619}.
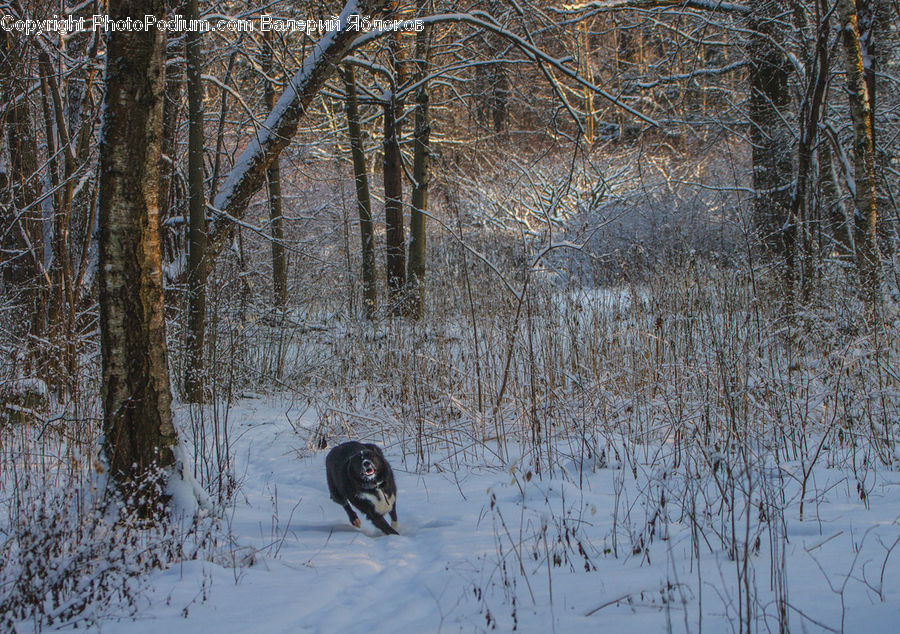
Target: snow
{"x": 493, "y": 544}
{"x": 188, "y": 496}
{"x": 30, "y": 386}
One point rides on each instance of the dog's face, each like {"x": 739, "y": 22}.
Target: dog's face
{"x": 365, "y": 465}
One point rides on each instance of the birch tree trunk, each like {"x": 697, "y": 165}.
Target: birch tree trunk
{"x": 874, "y": 23}
{"x": 866, "y": 216}
{"x": 137, "y": 421}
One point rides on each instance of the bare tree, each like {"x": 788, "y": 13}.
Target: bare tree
{"x": 392, "y": 172}
{"x": 273, "y": 180}
{"x": 20, "y": 212}
{"x": 770, "y": 136}
{"x": 864, "y": 155}
{"x": 139, "y": 436}
{"x": 415, "y": 275}
{"x": 363, "y": 200}
{"x": 197, "y": 266}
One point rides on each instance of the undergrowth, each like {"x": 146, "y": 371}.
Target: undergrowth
{"x": 710, "y": 401}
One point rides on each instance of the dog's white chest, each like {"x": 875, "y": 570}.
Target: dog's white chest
{"x": 382, "y": 503}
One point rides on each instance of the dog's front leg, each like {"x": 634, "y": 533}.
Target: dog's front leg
{"x": 354, "y": 518}
{"x": 378, "y": 520}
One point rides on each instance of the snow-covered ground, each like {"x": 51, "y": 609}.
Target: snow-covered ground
{"x": 493, "y": 547}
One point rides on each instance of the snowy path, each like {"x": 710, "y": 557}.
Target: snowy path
{"x": 313, "y": 571}
{"x": 456, "y": 566}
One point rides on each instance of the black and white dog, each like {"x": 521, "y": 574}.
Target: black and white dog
{"x": 359, "y": 475}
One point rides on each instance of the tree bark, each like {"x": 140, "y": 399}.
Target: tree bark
{"x": 773, "y": 164}
{"x": 138, "y": 433}
{"x": 196, "y": 278}
{"x": 499, "y": 96}
{"x": 415, "y": 274}
{"x": 171, "y": 191}
{"x": 273, "y": 179}
{"x": 874, "y": 22}
{"x": 363, "y": 200}
{"x": 836, "y": 215}
{"x": 393, "y": 204}
{"x": 584, "y": 59}
{"x": 866, "y": 216}
{"x": 809, "y": 119}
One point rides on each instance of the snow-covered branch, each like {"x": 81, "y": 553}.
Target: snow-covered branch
{"x": 699, "y": 5}
{"x": 249, "y": 172}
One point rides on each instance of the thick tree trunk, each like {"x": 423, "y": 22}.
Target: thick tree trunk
{"x": 363, "y": 200}
{"x": 273, "y": 179}
{"x": 138, "y": 433}
{"x": 866, "y": 215}
{"x": 196, "y": 278}
{"x": 773, "y": 164}
{"x": 415, "y": 274}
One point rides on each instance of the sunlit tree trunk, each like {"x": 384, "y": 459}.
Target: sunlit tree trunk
{"x": 866, "y": 215}
{"x": 874, "y": 21}
{"x": 137, "y": 421}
